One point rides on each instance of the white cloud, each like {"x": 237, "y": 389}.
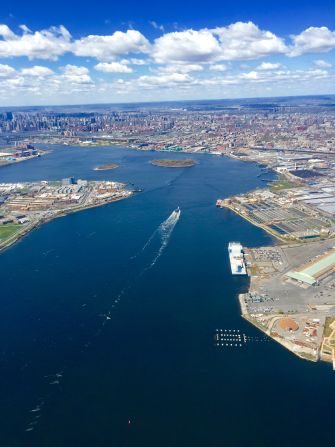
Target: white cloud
{"x": 284, "y": 75}
{"x": 235, "y": 42}
{"x": 185, "y": 81}
{"x": 244, "y": 40}
{"x": 180, "y": 68}
{"x": 252, "y": 75}
{"x": 45, "y": 44}
{"x": 167, "y": 80}
{"x": 76, "y": 75}
{"x": 322, "y": 64}
{"x": 105, "y": 48}
{"x": 186, "y": 47}
{"x": 26, "y": 83}
{"x": 25, "y": 29}
{"x": 268, "y": 66}
{"x": 113, "y": 67}
{"x": 156, "y": 26}
{"x": 313, "y": 40}
{"x": 6, "y": 71}
{"x": 134, "y": 61}
{"x": 170, "y": 62}
{"x": 6, "y": 33}
{"x": 37, "y": 70}
{"x": 218, "y": 67}
{"x": 151, "y": 82}
{"x": 56, "y": 41}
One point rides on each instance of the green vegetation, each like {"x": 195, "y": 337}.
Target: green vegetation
{"x": 54, "y": 183}
{"x": 7, "y": 231}
{"x": 170, "y": 163}
{"x": 282, "y": 183}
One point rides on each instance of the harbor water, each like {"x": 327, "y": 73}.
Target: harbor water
{"x": 108, "y": 319}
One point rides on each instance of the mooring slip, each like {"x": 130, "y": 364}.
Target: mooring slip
{"x": 234, "y": 338}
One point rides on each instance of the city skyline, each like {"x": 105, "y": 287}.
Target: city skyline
{"x": 162, "y": 54}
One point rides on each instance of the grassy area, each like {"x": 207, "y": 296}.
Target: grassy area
{"x": 282, "y": 183}
{"x": 6, "y": 231}
{"x": 328, "y": 330}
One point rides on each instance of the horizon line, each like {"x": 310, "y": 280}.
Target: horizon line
{"x": 167, "y": 101}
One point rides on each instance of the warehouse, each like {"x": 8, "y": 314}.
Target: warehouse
{"x": 315, "y": 270}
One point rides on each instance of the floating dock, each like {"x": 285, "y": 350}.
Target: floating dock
{"x": 236, "y": 257}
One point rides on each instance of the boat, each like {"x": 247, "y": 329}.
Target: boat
{"x": 176, "y": 213}
{"x": 236, "y": 258}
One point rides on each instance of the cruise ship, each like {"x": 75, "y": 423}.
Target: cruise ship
{"x": 236, "y": 258}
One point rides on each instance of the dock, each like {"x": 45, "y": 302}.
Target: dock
{"x": 236, "y": 258}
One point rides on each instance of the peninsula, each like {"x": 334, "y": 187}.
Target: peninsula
{"x": 291, "y": 292}
{"x": 174, "y": 163}
{"x": 25, "y": 206}
{"x": 17, "y": 154}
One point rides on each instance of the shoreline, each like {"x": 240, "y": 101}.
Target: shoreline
{"x": 62, "y": 213}
{"x": 287, "y": 344}
{"x": 298, "y": 351}
{"x": 268, "y": 231}
{"x": 267, "y": 322}
{"x": 23, "y": 159}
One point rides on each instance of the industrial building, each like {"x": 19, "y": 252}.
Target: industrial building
{"x": 314, "y": 270}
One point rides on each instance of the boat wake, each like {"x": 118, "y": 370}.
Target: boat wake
{"x": 162, "y": 234}
{"x": 165, "y": 231}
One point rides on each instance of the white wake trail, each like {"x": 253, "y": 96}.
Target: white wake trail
{"x": 165, "y": 230}
{"x": 146, "y": 244}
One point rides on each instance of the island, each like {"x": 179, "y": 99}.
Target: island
{"x": 174, "y": 163}
{"x": 106, "y": 167}
{"x": 26, "y": 205}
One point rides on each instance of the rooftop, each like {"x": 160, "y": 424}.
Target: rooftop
{"x": 310, "y": 274}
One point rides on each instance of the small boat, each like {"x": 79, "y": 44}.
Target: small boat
{"x": 176, "y": 213}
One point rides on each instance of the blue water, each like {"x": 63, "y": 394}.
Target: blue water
{"x": 132, "y": 345}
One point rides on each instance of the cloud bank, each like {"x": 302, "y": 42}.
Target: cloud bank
{"x": 182, "y": 63}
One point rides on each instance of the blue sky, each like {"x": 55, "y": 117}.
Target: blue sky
{"x": 86, "y": 52}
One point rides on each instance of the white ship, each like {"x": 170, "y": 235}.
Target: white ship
{"x": 236, "y": 258}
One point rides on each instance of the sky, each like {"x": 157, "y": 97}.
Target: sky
{"x": 80, "y": 52}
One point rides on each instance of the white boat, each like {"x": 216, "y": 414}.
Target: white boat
{"x": 176, "y": 213}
